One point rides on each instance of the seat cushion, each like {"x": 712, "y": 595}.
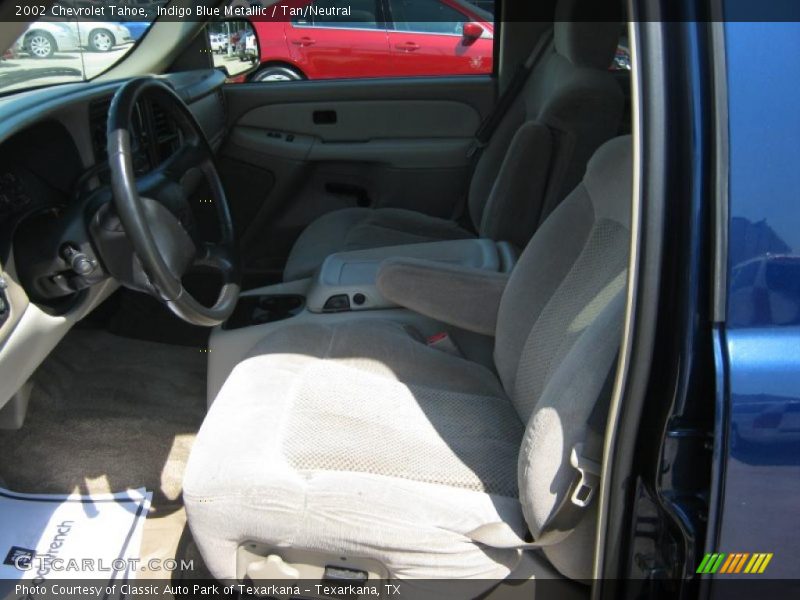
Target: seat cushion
{"x": 357, "y": 439}
{"x": 361, "y": 228}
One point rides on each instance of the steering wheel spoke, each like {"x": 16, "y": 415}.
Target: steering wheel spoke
{"x": 220, "y": 257}
{"x": 189, "y": 156}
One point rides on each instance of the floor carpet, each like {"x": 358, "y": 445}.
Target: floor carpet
{"x": 109, "y": 413}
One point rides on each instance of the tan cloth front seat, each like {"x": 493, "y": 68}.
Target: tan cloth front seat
{"x": 356, "y": 439}
{"x": 568, "y": 107}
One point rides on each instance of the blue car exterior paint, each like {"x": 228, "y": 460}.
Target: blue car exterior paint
{"x": 137, "y": 28}
{"x": 760, "y": 354}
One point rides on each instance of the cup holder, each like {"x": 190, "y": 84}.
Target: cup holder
{"x": 257, "y": 310}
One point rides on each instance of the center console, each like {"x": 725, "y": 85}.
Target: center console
{"x": 346, "y": 280}
{"x": 260, "y": 309}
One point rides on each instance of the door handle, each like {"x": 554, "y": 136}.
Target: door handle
{"x": 324, "y": 117}
{"x": 407, "y": 46}
{"x": 304, "y": 41}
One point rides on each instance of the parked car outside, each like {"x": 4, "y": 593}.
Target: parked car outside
{"x": 622, "y": 59}
{"x": 249, "y": 48}
{"x": 101, "y": 36}
{"x": 136, "y": 28}
{"x": 218, "y": 42}
{"x": 45, "y": 38}
{"x": 376, "y": 38}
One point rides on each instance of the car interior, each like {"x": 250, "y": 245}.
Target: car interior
{"x": 344, "y": 330}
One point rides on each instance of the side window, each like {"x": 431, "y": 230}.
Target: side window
{"x": 426, "y": 16}
{"x": 342, "y": 14}
{"x": 359, "y": 39}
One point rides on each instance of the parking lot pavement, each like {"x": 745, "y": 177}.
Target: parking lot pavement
{"x": 62, "y": 67}
{"x": 232, "y": 64}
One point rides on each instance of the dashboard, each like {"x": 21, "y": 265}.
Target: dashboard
{"x": 53, "y": 172}
{"x": 56, "y": 157}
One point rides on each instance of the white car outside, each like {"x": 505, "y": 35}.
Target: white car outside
{"x": 219, "y": 43}
{"x": 45, "y": 38}
{"x": 248, "y": 50}
{"x": 102, "y": 36}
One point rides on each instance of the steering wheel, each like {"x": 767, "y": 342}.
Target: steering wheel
{"x": 163, "y": 238}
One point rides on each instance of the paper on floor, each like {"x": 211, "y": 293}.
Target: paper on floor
{"x": 54, "y": 537}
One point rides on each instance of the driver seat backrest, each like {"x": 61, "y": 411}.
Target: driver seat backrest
{"x": 570, "y": 105}
{"x": 558, "y": 333}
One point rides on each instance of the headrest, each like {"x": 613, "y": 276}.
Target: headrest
{"x": 582, "y": 41}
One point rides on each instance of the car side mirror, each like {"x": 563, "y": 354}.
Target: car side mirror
{"x": 472, "y": 31}
{"x": 233, "y": 44}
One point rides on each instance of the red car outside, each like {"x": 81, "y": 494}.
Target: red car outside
{"x": 375, "y": 38}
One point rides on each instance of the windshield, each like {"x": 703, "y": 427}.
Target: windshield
{"x": 72, "y": 42}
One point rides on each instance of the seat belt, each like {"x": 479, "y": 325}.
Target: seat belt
{"x": 585, "y": 458}
{"x": 492, "y": 121}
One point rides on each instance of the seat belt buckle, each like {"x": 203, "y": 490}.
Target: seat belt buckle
{"x": 442, "y": 341}
{"x": 589, "y": 481}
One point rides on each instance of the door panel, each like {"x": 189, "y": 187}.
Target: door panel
{"x": 365, "y": 120}
{"x": 420, "y": 153}
{"x": 329, "y": 145}
{"x": 758, "y": 363}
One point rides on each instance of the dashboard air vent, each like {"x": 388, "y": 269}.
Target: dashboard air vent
{"x": 163, "y": 126}
{"x": 98, "y": 115}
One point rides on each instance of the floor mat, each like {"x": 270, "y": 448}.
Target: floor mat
{"x": 109, "y": 413}
{"x": 89, "y": 534}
